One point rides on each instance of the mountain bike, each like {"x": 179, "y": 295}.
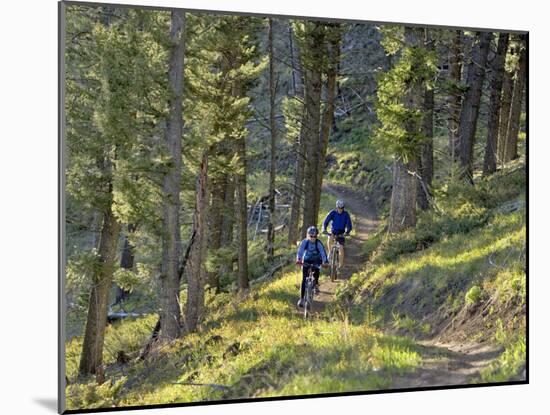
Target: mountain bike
{"x": 309, "y": 291}
{"x": 335, "y": 256}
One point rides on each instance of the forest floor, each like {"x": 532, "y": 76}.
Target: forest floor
{"x": 365, "y": 221}
{"x": 257, "y": 343}
{"x": 443, "y": 363}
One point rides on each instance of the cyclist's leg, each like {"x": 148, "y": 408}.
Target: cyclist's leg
{"x": 316, "y": 275}
{"x": 305, "y": 269}
{"x": 341, "y": 255}
{"x": 329, "y": 245}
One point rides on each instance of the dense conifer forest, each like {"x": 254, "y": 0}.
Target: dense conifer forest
{"x": 200, "y": 148}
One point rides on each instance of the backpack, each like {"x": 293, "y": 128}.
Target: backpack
{"x": 314, "y": 258}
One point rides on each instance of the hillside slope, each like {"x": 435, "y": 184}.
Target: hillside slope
{"x": 409, "y": 316}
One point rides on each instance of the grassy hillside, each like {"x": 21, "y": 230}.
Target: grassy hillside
{"x": 459, "y": 276}
{"x": 353, "y": 160}
{"x": 256, "y": 345}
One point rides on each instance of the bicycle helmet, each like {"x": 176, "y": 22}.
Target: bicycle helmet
{"x": 340, "y": 203}
{"x": 312, "y": 230}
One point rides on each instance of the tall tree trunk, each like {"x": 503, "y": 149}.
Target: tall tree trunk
{"x": 298, "y": 189}
{"x": 126, "y": 262}
{"x": 196, "y": 271}
{"x": 490, "y": 159}
{"x": 171, "y": 240}
{"x": 511, "y": 151}
{"x": 403, "y": 196}
{"x": 455, "y": 97}
{"x": 241, "y": 215}
{"x": 470, "y": 105}
{"x": 297, "y": 84}
{"x": 92, "y": 349}
{"x": 228, "y": 222}
{"x": 328, "y": 115}
{"x": 507, "y": 89}
{"x": 426, "y": 168}
{"x": 215, "y": 221}
{"x": 313, "y": 108}
{"x": 273, "y": 167}
{"x": 404, "y": 193}
{"x": 299, "y": 146}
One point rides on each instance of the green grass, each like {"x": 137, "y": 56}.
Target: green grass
{"x": 450, "y": 268}
{"x": 257, "y": 345}
{"x": 509, "y": 365}
{"x": 469, "y": 256}
{"x": 467, "y": 261}
{"x": 354, "y": 160}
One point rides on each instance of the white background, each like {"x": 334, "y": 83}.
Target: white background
{"x": 28, "y": 228}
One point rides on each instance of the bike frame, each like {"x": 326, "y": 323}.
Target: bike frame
{"x": 335, "y": 256}
{"x": 308, "y": 295}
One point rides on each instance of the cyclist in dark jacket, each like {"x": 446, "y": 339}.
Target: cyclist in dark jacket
{"x": 341, "y": 226}
{"x": 310, "y": 252}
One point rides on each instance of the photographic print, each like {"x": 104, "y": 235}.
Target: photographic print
{"x": 261, "y": 207}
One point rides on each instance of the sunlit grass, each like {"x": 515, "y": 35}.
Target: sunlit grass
{"x": 258, "y": 344}
{"x": 508, "y": 364}
{"x": 473, "y": 253}
{"x": 255, "y": 345}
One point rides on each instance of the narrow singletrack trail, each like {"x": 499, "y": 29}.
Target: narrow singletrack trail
{"x": 365, "y": 222}
{"x": 443, "y": 364}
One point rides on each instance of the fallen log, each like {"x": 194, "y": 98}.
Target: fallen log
{"x": 112, "y": 317}
{"x": 276, "y": 229}
{"x": 272, "y": 271}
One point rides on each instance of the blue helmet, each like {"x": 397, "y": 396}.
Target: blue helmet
{"x": 312, "y": 230}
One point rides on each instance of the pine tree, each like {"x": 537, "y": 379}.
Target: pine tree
{"x": 273, "y": 149}
{"x": 511, "y": 147}
{"x": 106, "y": 123}
{"x": 504, "y": 115}
{"x": 224, "y": 65}
{"x": 294, "y": 114}
{"x": 171, "y": 239}
{"x": 196, "y": 271}
{"x": 455, "y": 94}
{"x": 470, "y": 105}
{"x": 399, "y": 109}
{"x": 426, "y": 167}
{"x": 490, "y": 159}
{"x": 330, "y": 68}
{"x": 312, "y": 38}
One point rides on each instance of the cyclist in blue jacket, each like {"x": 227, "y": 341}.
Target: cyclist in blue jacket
{"x": 310, "y": 252}
{"x": 341, "y": 227}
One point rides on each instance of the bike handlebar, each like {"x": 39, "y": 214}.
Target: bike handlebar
{"x": 310, "y": 265}
{"x": 347, "y": 235}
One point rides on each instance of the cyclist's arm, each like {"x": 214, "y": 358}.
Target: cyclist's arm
{"x": 327, "y": 220}
{"x": 323, "y": 253}
{"x": 301, "y": 250}
{"x": 348, "y": 224}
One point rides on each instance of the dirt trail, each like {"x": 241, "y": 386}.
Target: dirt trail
{"x": 442, "y": 363}
{"x": 364, "y": 222}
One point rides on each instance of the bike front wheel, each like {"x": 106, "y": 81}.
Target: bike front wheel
{"x": 308, "y": 298}
{"x": 334, "y": 266}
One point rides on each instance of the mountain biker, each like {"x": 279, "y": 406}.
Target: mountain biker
{"x": 310, "y": 252}
{"x": 341, "y": 227}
